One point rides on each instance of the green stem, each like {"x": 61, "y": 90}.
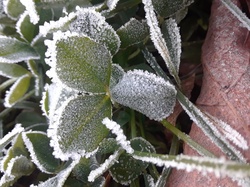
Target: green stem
{"x": 200, "y": 149}
{"x": 7, "y": 83}
{"x": 132, "y": 124}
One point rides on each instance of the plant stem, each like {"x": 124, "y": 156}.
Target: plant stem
{"x": 132, "y": 124}
{"x": 201, "y": 150}
{"x": 7, "y": 83}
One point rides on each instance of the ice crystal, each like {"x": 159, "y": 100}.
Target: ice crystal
{"x": 30, "y": 7}
{"x": 112, "y": 4}
{"x": 146, "y": 93}
{"x": 120, "y": 137}
{"x": 2, "y": 13}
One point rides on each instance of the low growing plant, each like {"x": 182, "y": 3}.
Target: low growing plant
{"x": 89, "y": 132}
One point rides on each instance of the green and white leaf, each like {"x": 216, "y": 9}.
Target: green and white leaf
{"x": 158, "y": 40}
{"x": 171, "y": 34}
{"x": 169, "y": 8}
{"x": 60, "y": 178}
{"x": 13, "y": 50}
{"x": 93, "y": 24}
{"x": 25, "y": 28}
{"x": 79, "y": 62}
{"x": 12, "y": 70}
{"x": 31, "y": 9}
{"x": 2, "y": 13}
{"x": 127, "y": 168}
{"x": 145, "y": 92}
{"x": 10, "y": 136}
{"x": 37, "y": 144}
{"x": 116, "y": 75}
{"x": 17, "y": 90}
{"x": 85, "y": 132}
{"x": 133, "y": 32}
{"x": 13, "y": 8}
{"x": 107, "y": 146}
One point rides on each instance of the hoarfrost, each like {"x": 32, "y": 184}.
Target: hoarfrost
{"x": 146, "y": 93}
{"x": 237, "y": 13}
{"x": 60, "y": 178}
{"x": 8, "y": 137}
{"x": 104, "y": 166}
{"x": 120, "y": 137}
{"x": 2, "y": 13}
{"x": 116, "y": 75}
{"x": 112, "y": 4}
{"x": 30, "y": 7}
{"x": 157, "y": 38}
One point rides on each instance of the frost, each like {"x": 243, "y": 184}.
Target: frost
{"x": 2, "y": 13}
{"x": 12, "y": 70}
{"x": 120, "y": 137}
{"x": 237, "y": 13}
{"x": 30, "y": 7}
{"x": 60, "y": 178}
{"x": 146, "y": 93}
{"x": 150, "y": 181}
{"x": 112, "y": 4}
{"x": 104, "y": 166}
{"x": 116, "y": 75}
{"x": 85, "y": 132}
{"x": 218, "y": 166}
{"x": 158, "y": 40}
{"x": 8, "y": 137}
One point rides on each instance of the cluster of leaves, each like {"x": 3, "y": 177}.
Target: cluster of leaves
{"x": 77, "y": 45}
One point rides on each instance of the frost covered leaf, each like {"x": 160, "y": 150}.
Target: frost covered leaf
{"x": 168, "y": 8}
{"x": 93, "y": 24}
{"x": 171, "y": 34}
{"x": 237, "y": 13}
{"x": 40, "y": 151}
{"x": 79, "y": 128}
{"x": 111, "y": 4}
{"x": 127, "y": 168}
{"x": 107, "y": 146}
{"x": 2, "y": 13}
{"x": 10, "y": 136}
{"x": 218, "y": 166}
{"x": 25, "y": 28}
{"x": 14, "y": 8}
{"x": 116, "y": 75}
{"x": 60, "y": 178}
{"x": 12, "y": 70}
{"x": 79, "y": 62}
{"x": 133, "y": 32}
{"x": 13, "y": 50}
{"x": 146, "y": 93}
{"x": 17, "y": 167}
{"x": 158, "y": 40}
{"x": 31, "y": 9}
{"x": 17, "y": 90}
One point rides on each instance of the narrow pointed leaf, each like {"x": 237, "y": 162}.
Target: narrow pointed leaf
{"x": 79, "y": 62}
{"x": 13, "y": 50}
{"x": 12, "y": 70}
{"x": 127, "y": 168}
{"x": 79, "y": 128}
{"x": 133, "y": 32}
{"x": 40, "y": 151}
{"x": 146, "y": 93}
{"x": 168, "y": 8}
{"x": 17, "y": 90}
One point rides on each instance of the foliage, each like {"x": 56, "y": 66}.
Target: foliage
{"x": 84, "y": 71}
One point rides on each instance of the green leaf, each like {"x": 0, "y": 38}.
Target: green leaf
{"x": 107, "y": 146}
{"x": 168, "y": 8}
{"x": 127, "y": 168}
{"x": 40, "y": 151}
{"x": 133, "y": 32}
{"x": 25, "y": 28}
{"x": 13, "y": 50}
{"x": 80, "y": 62}
{"x": 93, "y": 24}
{"x": 14, "y": 8}
{"x": 78, "y": 129}
{"x": 116, "y": 75}
{"x": 12, "y": 70}
{"x": 17, "y": 90}
{"x": 145, "y": 92}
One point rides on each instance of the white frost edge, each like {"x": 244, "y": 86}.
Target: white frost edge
{"x": 30, "y": 148}
{"x": 120, "y": 137}
{"x": 237, "y": 13}
{"x": 8, "y": 137}
{"x": 112, "y": 4}
{"x": 54, "y": 142}
{"x": 5, "y": 3}
{"x": 104, "y": 166}
{"x": 12, "y": 162}
{"x": 19, "y": 24}
{"x": 30, "y": 7}
{"x": 10, "y": 91}
{"x": 157, "y": 37}
{"x": 61, "y": 177}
